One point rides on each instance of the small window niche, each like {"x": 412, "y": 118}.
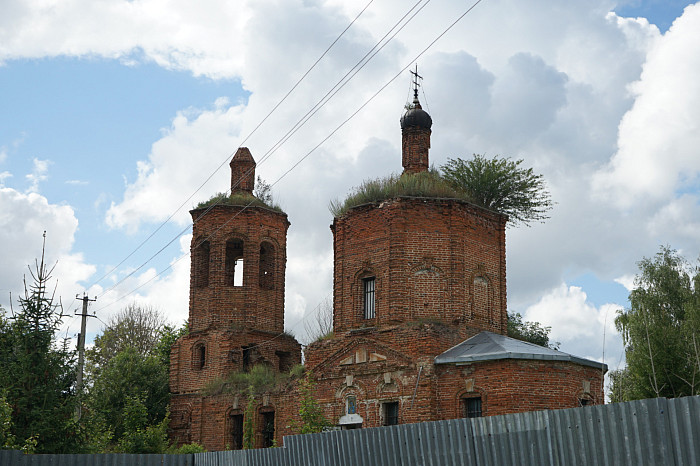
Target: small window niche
{"x": 391, "y": 413}
{"x": 201, "y": 264}
{"x": 268, "y": 429}
{"x": 471, "y": 407}
{"x": 286, "y": 362}
{"x": 368, "y": 297}
{"x": 236, "y": 431}
{"x": 266, "y": 274}
{"x": 199, "y": 356}
{"x": 234, "y": 262}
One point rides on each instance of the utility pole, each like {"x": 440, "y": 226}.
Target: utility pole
{"x": 81, "y": 351}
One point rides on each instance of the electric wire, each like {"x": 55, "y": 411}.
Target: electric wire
{"x": 381, "y": 89}
{"x": 300, "y": 123}
{"x": 239, "y": 145}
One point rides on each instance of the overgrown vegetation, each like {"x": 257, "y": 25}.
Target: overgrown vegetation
{"x": 320, "y": 327}
{"x": 660, "y": 331}
{"x": 424, "y": 184}
{"x": 262, "y": 197}
{"x": 310, "y": 413}
{"x": 238, "y": 199}
{"x": 260, "y": 379}
{"x": 532, "y": 332}
{"x": 501, "y": 185}
{"x": 498, "y": 184}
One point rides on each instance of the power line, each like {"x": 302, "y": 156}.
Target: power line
{"x": 337, "y": 128}
{"x": 239, "y": 145}
{"x": 301, "y": 122}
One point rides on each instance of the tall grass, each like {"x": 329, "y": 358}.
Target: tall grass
{"x": 424, "y": 184}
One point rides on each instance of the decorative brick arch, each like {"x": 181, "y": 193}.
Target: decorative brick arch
{"x": 481, "y": 297}
{"x": 463, "y": 394}
{"x": 428, "y": 286}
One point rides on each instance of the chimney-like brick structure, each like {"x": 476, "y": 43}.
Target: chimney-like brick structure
{"x": 415, "y": 139}
{"x": 242, "y": 171}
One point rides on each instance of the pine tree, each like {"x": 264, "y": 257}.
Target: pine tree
{"x": 36, "y": 373}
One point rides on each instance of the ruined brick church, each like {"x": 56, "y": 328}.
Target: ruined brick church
{"x": 419, "y": 318}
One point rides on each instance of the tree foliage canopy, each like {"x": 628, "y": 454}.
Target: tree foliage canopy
{"x": 532, "y": 332}
{"x": 135, "y": 326}
{"x": 501, "y": 185}
{"x": 661, "y": 331}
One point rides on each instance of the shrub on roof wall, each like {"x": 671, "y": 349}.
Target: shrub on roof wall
{"x": 497, "y": 184}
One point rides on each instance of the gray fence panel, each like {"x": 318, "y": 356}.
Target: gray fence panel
{"x": 684, "y": 420}
{"x": 647, "y": 432}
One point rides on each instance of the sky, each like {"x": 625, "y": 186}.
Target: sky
{"x": 119, "y": 116}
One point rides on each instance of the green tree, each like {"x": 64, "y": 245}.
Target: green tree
{"x": 661, "y": 331}
{"x": 532, "y": 332}
{"x": 141, "y": 435}
{"x": 135, "y": 326}
{"x": 129, "y": 376}
{"x": 168, "y": 335}
{"x": 501, "y": 185}
{"x": 310, "y": 413}
{"x": 36, "y": 372}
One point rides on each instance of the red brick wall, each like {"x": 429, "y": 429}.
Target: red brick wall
{"x": 207, "y": 420}
{"x": 415, "y": 144}
{"x": 430, "y": 257}
{"x": 224, "y": 354}
{"x": 250, "y": 305}
{"x": 515, "y": 386}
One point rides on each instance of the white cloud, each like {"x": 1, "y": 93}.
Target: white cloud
{"x": 627, "y": 281}
{"x": 582, "y": 328}
{"x": 180, "y": 161}
{"x": 659, "y": 136}
{"x": 40, "y": 169}
{"x": 23, "y": 220}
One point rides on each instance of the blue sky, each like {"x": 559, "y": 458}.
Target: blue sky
{"x": 113, "y": 114}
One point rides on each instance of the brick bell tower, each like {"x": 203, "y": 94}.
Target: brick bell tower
{"x": 236, "y": 317}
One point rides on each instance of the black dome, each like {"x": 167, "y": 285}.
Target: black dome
{"x": 416, "y": 116}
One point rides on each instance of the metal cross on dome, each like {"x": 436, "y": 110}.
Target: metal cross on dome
{"x": 416, "y": 77}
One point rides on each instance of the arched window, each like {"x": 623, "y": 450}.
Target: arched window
{"x": 267, "y": 266}
{"x": 199, "y": 356}
{"x": 201, "y": 265}
{"x": 234, "y": 262}
{"x": 368, "y": 295}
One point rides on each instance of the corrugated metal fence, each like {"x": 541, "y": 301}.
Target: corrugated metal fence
{"x": 648, "y": 432}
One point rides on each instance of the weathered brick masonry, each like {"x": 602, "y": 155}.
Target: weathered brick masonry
{"x": 413, "y": 278}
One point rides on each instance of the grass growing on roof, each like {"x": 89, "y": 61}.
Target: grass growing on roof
{"x": 423, "y": 184}
{"x": 238, "y": 199}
